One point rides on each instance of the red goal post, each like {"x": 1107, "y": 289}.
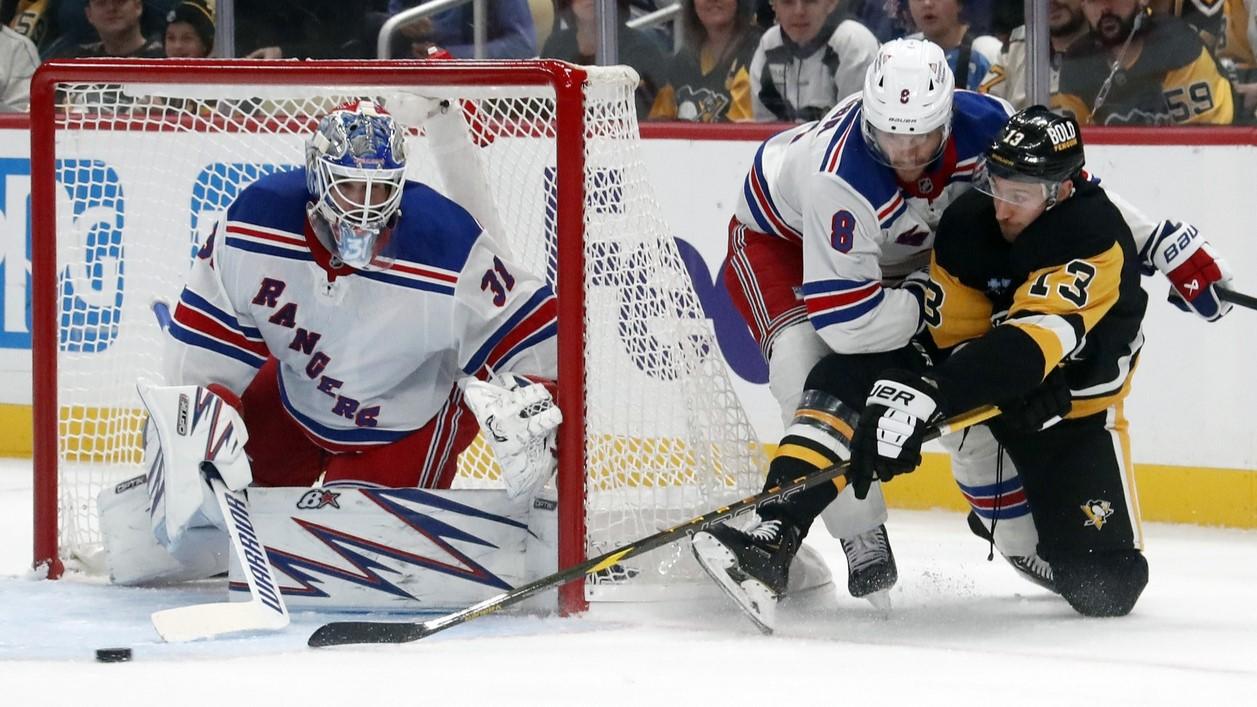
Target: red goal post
{"x": 112, "y": 138}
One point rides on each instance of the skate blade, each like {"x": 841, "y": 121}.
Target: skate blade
{"x": 751, "y": 595}
{"x": 880, "y": 600}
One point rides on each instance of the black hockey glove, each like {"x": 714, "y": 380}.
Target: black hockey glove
{"x": 1040, "y": 408}
{"x": 888, "y": 438}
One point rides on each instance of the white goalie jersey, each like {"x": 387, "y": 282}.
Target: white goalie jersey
{"x": 365, "y": 357}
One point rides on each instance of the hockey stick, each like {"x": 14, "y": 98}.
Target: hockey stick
{"x": 348, "y": 632}
{"x": 1239, "y": 298}
{"x": 265, "y": 610}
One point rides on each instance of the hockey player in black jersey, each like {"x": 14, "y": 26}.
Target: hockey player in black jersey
{"x": 1035, "y": 305}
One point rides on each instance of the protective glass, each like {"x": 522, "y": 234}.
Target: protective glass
{"x": 1019, "y": 190}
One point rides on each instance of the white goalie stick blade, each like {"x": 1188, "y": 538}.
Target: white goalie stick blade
{"x": 751, "y": 595}
{"x": 265, "y": 611}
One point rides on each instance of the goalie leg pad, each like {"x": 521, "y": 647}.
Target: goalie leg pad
{"x": 133, "y": 556}
{"x": 189, "y": 427}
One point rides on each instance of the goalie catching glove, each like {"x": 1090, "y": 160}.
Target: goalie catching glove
{"x": 1194, "y": 269}
{"x": 518, "y": 419}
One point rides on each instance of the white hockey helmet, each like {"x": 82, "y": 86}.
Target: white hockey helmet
{"x": 907, "y": 92}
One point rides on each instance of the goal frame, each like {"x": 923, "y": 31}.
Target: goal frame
{"x": 567, "y": 81}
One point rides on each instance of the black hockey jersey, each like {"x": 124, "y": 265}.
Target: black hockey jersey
{"x": 1065, "y": 291}
{"x": 1173, "y": 80}
{"x": 721, "y": 94}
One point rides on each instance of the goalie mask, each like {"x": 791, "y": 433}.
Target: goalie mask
{"x": 355, "y": 169}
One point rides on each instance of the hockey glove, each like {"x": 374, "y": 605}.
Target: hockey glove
{"x": 917, "y": 284}
{"x": 518, "y": 419}
{"x": 1193, "y": 268}
{"x": 891, "y": 429}
{"x": 1040, "y": 408}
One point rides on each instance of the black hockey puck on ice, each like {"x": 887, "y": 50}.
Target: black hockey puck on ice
{"x": 113, "y": 655}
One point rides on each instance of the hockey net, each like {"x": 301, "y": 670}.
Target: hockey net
{"x": 134, "y": 162}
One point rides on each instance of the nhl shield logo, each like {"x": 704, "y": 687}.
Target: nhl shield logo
{"x": 1097, "y": 513}
{"x": 925, "y": 185}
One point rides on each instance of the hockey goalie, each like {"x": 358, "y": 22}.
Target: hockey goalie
{"x": 342, "y": 336}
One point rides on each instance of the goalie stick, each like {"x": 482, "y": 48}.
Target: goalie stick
{"x": 265, "y": 610}
{"x": 350, "y": 632}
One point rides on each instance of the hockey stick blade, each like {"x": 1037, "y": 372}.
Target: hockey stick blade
{"x": 352, "y": 632}
{"x": 191, "y": 623}
{"x": 1239, "y": 298}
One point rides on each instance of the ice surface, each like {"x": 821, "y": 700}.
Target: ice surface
{"x": 963, "y": 631}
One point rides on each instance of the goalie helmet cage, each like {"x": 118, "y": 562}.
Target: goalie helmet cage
{"x": 129, "y": 154}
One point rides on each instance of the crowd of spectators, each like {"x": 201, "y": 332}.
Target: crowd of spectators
{"x": 1113, "y": 62}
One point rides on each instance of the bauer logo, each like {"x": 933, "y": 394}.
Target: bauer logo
{"x": 91, "y": 213}
{"x": 215, "y": 188}
{"x": 15, "y": 239}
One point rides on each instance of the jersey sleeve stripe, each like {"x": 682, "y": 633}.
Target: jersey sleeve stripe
{"x": 194, "y": 321}
{"x": 892, "y": 210}
{"x": 833, "y": 153}
{"x": 191, "y": 300}
{"x": 759, "y": 197}
{"x": 199, "y": 340}
{"x": 1055, "y": 336}
{"x": 538, "y": 314}
{"x": 838, "y": 301}
{"x": 415, "y": 281}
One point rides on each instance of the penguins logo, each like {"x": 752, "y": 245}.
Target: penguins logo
{"x": 1097, "y": 513}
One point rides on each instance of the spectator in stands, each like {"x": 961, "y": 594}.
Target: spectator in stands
{"x": 189, "y": 30}
{"x": 577, "y": 42}
{"x": 308, "y": 29}
{"x": 809, "y": 61}
{"x": 510, "y": 33}
{"x": 64, "y": 27}
{"x": 117, "y": 23}
{"x": 709, "y": 79}
{"x": 18, "y": 59}
{"x": 1140, "y": 69}
{"x": 1007, "y": 77}
{"x": 943, "y": 22}
{"x": 1229, "y": 34}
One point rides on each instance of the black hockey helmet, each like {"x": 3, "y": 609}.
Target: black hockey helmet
{"x": 1037, "y": 144}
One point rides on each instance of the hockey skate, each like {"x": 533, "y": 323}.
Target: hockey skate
{"x": 1032, "y": 567}
{"x": 871, "y": 569}
{"x": 751, "y": 566}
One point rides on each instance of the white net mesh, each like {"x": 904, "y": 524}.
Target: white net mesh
{"x": 145, "y": 170}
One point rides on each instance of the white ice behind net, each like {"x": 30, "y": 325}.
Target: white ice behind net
{"x": 145, "y": 170}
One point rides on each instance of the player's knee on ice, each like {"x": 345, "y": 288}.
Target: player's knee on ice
{"x": 1102, "y": 583}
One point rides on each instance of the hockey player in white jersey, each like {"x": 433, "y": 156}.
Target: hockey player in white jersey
{"x": 349, "y": 317}
{"x": 835, "y": 224}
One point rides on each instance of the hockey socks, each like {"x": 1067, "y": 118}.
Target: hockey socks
{"x": 818, "y": 437}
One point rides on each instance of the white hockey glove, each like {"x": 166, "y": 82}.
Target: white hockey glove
{"x": 190, "y": 427}
{"x": 518, "y": 418}
{"x": 1192, "y": 266}
{"x": 917, "y": 284}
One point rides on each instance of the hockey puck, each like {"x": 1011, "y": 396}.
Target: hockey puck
{"x": 113, "y": 655}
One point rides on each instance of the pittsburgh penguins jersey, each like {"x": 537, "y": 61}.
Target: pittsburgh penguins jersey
{"x": 1065, "y": 291}
{"x": 709, "y": 94}
{"x": 1173, "y": 80}
{"x": 365, "y": 357}
{"x": 793, "y": 83}
{"x": 818, "y": 184}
